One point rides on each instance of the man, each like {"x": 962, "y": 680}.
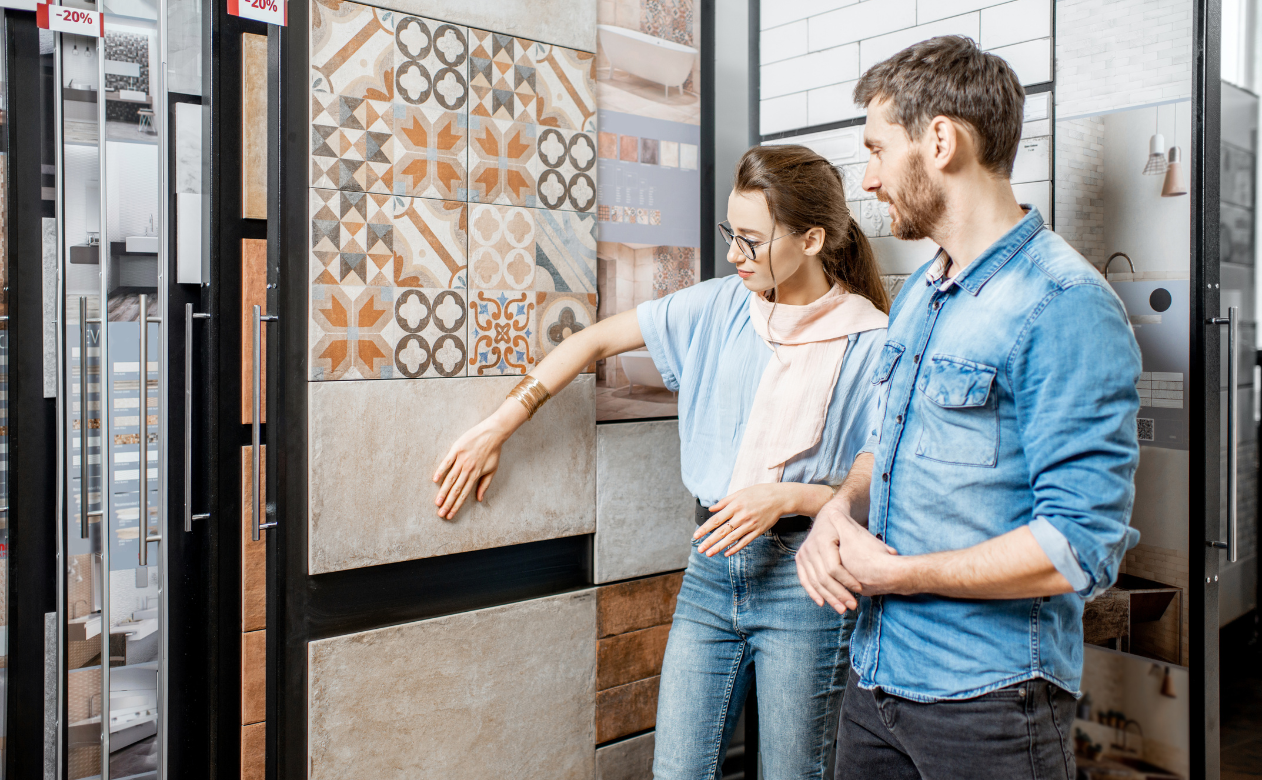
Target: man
{"x": 996, "y": 494}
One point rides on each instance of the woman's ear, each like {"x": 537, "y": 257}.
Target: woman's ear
{"x": 813, "y": 241}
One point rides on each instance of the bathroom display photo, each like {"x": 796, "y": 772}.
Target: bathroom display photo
{"x": 648, "y": 89}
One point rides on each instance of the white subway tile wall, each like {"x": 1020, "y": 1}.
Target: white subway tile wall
{"x": 1080, "y": 186}
{"x": 1144, "y": 45}
{"x": 813, "y": 52}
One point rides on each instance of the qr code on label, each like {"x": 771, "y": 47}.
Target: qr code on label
{"x": 1147, "y": 429}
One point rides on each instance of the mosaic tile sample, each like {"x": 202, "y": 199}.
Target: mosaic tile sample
{"x": 375, "y": 712}
{"x": 414, "y": 122}
{"x": 394, "y": 432}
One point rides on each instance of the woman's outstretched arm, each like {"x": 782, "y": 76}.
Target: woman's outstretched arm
{"x": 473, "y": 460}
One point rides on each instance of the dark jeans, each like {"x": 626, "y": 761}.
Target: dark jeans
{"x": 1022, "y": 731}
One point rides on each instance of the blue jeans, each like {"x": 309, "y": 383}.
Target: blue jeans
{"x": 734, "y": 615}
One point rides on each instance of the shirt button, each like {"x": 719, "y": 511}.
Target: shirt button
{"x": 916, "y": 359}
{"x": 900, "y": 419}
{"x": 937, "y": 304}
{"x": 880, "y": 537}
{"x": 885, "y": 477}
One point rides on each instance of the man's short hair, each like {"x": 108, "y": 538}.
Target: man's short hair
{"x": 949, "y": 76}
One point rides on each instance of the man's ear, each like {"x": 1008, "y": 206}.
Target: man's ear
{"x": 943, "y": 138}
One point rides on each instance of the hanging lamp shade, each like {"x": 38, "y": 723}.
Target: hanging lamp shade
{"x": 1175, "y": 184}
{"x": 1156, "y": 156}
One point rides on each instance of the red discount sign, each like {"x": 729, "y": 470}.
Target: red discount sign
{"x": 270, "y": 11}
{"x": 59, "y": 18}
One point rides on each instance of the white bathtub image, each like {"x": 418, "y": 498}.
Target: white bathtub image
{"x": 639, "y": 369}
{"x": 640, "y": 54}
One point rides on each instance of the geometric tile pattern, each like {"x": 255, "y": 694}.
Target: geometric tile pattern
{"x": 453, "y": 189}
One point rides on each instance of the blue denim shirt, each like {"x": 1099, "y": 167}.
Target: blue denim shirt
{"x": 1007, "y": 399}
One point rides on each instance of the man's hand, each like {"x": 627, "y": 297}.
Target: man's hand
{"x": 873, "y": 564}
{"x": 819, "y": 565}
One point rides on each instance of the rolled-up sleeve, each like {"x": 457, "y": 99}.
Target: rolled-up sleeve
{"x": 1073, "y": 373}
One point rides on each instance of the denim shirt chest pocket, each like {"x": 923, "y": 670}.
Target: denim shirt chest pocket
{"x": 960, "y": 421}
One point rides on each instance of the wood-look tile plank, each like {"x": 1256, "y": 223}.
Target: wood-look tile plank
{"x": 253, "y": 554}
{"x": 253, "y": 677}
{"x": 253, "y": 751}
{"x": 631, "y": 606}
{"x": 253, "y": 290}
{"x": 629, "y": 657}
{"x": 626, "y": 709}
{"x": 254, "y": 126}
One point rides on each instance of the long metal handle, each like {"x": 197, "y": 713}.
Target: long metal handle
{"x": 144, "y": 429}
{"x": 83, "y": 417}
{"x": 1232, "y": 321}
{"x": 1233, "y": 427}
{"x": 189, "y": 316}
{"x": 256, "y": 431}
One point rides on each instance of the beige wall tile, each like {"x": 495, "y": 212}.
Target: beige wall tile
{"x": 495, "y": 693}
{"x": 253, "y": 126}
{"x": 375, "y": 444}
{"x": 645, "y": 516}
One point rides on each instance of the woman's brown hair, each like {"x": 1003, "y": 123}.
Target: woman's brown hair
{"x": 804, "y": 191}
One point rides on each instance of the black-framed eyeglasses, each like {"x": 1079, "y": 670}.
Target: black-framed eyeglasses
{"x": 747, "y": 247}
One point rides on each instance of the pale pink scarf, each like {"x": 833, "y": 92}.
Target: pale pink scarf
{"x": 808, "y": 344}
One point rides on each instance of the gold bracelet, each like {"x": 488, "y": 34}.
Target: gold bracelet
{"x": 531, "y": 393}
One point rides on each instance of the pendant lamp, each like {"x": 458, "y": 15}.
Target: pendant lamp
{"x": 1156, "y": 152}
{"x": 1175, "y": 184}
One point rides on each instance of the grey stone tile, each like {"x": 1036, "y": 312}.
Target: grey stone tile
{"x": 644, "y": 514}
{"x": 630, "y": 759}
{"x": 374, "y": 445}
{"x": 496, "y": 693}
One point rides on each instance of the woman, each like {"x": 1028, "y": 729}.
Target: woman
{"x": 772, "y": 367}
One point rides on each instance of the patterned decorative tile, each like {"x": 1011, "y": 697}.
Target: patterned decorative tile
{"x": 502, "y": 332}
{"x": 352, "y": 50}
{"x": 875, "y": 218}
{"x": 561, "y": 315}
{"x": 566, "y": 164}
{"x": 429, "y": 63}
{"x": 352, "y": 143}
{"x": 501, "y": 248}
{"x": 430, "y": 152}
{"x": 430, "y": 243}
{"x": 502, "y": 77}
{"x": 566, "y": 86}
{"x": 674, "y": 268}
{"x": 565, "y": 252}
{"x": 352, "y": 238}
{"x": 348, "y": 339}
{"x": 429, "y": 333}
{"x": 501, "y": 162}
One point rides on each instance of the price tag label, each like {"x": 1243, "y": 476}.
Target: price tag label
{"x": 270, "y": 11}
{"x": 59, "y": 18}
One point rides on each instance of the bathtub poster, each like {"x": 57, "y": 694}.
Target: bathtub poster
{"x": 648, "y": 74}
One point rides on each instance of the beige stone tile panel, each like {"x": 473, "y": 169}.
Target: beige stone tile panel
{"x": 504, "y": 692}
{"x": 374, "y": 446}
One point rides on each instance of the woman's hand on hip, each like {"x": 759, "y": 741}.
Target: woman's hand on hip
{"x": 473, "y": 460}
{"x": 744, "y": 516}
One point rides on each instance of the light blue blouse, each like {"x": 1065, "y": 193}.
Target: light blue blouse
{"x": 706, "y": 349}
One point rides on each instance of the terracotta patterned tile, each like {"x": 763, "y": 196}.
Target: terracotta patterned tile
{"x": 430, "y": 243}
{"x": 429, "y": 333}
{"x": 348, "y": 332}
{"x": 501, "y": 247}
{"x": 566, "y": 82}
{"x": 502, "y": 332}
{"x": 566, "y": 164}
{"x": 501, "y": 162}
{"x": 352, "y": 238}
{"x": 561, "y": 315}
{"x": 352, "y": 50}
{"x": 352, "y": 143}
{"x": 429, "y": 62}
{"x": 502, "y": 77}
{"x": 565, "y": 251}
{"x": 430, "y": 152}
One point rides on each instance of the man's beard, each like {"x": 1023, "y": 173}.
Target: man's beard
{"x": 920, "y": 205}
